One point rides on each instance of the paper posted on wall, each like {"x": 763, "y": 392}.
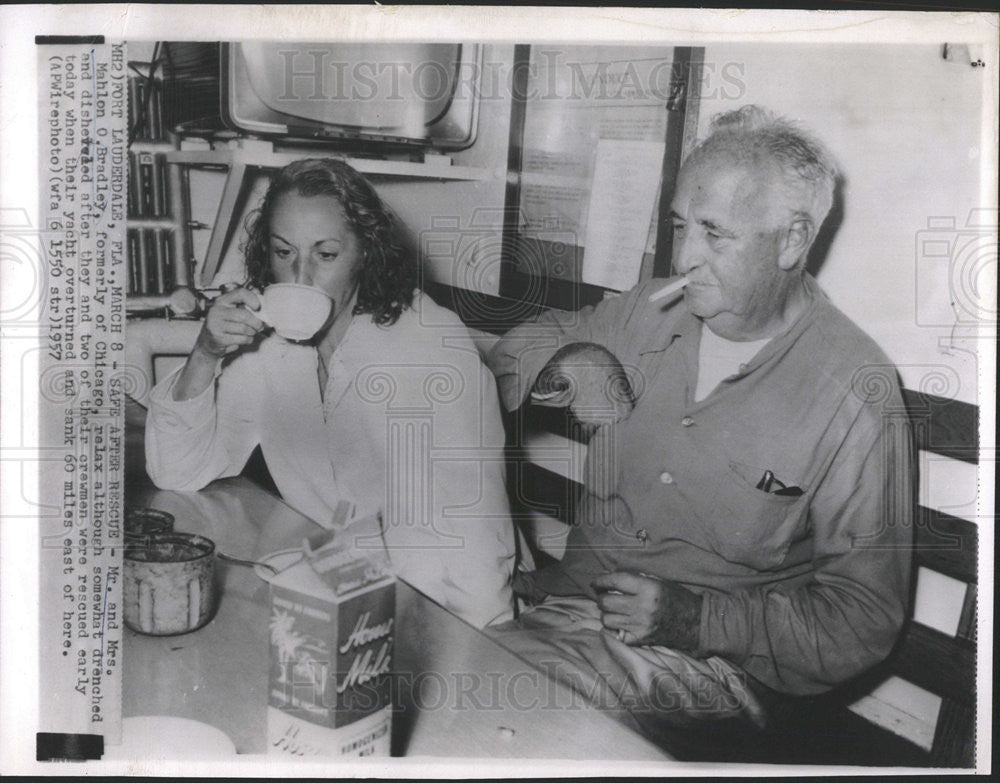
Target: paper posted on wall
{"x": 626, "y": 178}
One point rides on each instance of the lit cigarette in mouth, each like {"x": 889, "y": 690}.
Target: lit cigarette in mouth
{"x": 670, "y": 289}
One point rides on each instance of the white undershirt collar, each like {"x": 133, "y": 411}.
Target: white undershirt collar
{"x": 719, "y": 358}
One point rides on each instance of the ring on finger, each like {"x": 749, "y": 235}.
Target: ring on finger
{"x": 621, "y": 634}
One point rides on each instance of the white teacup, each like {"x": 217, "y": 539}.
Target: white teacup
{"x": 295, "y": 311}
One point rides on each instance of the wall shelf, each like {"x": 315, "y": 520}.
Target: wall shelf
{"x": 372, "y": 167}
{"x": 255, "y": 155}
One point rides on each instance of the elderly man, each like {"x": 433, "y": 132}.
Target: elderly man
{"x": 743, "y": 530}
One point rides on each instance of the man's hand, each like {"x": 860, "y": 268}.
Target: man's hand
{"x": 590, "y": 380}
{"x": 649, "y": 610}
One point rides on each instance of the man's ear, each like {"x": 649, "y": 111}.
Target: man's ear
{"x": 798, "y": 238}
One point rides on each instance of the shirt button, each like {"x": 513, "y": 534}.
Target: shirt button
{"x": 642, "y": 535}
{"x": 687, "y": 421}
{"x": 666, "y": 478}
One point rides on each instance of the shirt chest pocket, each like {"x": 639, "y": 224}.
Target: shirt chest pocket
{"x": 752, "y": 527}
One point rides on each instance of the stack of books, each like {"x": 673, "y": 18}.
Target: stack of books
{"x": 151, "y": 251}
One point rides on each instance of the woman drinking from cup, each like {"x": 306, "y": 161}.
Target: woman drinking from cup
{"x": 387, "y": 406}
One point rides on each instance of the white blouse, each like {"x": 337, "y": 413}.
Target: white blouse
{"x": 409, "y": 426}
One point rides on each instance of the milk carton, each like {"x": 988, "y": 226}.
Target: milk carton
{"x": 331, "y": 632}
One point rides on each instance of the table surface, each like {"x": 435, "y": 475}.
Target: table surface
{"x": 458, "y": 692}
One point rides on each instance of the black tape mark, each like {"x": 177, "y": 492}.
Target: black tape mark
{"x": 53, "y": 40}
{"x": 68, "y": 747}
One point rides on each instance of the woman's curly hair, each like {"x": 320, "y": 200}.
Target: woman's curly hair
{"x": 388, "y": 272}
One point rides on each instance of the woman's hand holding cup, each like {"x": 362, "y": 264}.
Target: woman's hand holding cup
{"x": 231, "y": 323}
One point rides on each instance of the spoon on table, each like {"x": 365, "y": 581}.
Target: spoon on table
{"x": 251, "y": 563}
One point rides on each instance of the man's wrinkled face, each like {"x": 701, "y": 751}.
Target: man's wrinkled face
{"x": 728, "y": 242}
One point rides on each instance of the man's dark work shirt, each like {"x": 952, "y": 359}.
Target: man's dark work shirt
{"x": 803, "y": 591}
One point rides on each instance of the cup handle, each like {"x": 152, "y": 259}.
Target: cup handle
{"x": 260, "y": 313}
